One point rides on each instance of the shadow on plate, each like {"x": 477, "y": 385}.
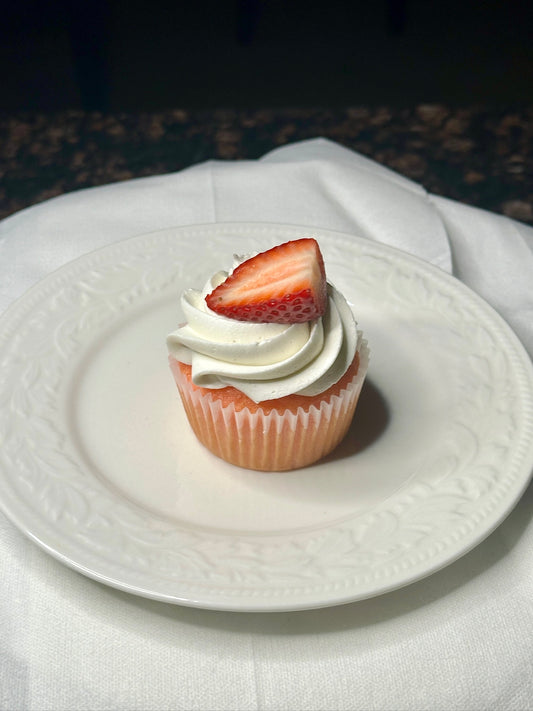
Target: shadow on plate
{"x": 370, "y": 421}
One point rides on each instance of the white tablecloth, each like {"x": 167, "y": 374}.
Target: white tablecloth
{"x": 460, "y": 639}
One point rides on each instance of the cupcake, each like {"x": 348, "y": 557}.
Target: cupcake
{"x": 269, "y": 364}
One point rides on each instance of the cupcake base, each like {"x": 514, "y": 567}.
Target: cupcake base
{"x": 276, "y": 435}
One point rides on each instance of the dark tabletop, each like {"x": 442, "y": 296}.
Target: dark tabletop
{"x": 480, "y": 156}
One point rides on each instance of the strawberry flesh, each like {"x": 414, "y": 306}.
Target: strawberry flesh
{"x": 285, "y": 284}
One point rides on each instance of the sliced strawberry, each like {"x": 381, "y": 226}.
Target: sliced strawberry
{"x": 285, "y": 284}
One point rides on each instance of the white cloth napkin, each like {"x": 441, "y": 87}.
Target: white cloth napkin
{"x": 461, "y": 639}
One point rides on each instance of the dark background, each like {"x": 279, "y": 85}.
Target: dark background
{"x": 130, "y": 55}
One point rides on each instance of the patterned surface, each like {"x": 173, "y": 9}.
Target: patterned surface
{"x": 463, "y": 485}
{"x": 479, "y": 156}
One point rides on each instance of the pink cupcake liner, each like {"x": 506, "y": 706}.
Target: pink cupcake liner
{"x": 275, "y": 441}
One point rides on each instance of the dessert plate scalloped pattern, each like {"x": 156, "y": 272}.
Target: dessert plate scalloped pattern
{"x": 98, "y": 466}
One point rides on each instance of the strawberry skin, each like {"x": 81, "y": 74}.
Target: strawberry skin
{"x": 285, "y": 284}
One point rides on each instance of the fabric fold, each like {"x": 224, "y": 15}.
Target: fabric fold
{"x": 493, "y": 255}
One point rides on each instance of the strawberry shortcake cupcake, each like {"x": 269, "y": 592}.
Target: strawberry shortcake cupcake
{"x": 269, "y": 364}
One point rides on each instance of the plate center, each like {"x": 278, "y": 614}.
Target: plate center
{"x": 129, "y": 426}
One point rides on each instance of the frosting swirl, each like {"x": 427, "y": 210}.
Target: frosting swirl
{"x": 264, "y": 360}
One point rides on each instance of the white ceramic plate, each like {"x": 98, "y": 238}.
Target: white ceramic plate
{"x": 99, "y": 467}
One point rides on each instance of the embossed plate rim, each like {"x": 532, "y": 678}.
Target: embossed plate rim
{"x": 67, "y": 544}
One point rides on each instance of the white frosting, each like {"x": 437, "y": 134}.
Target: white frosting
{"x": 264, "y": 360}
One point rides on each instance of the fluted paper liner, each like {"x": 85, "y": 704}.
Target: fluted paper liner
{"x": 279, "y": 440}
